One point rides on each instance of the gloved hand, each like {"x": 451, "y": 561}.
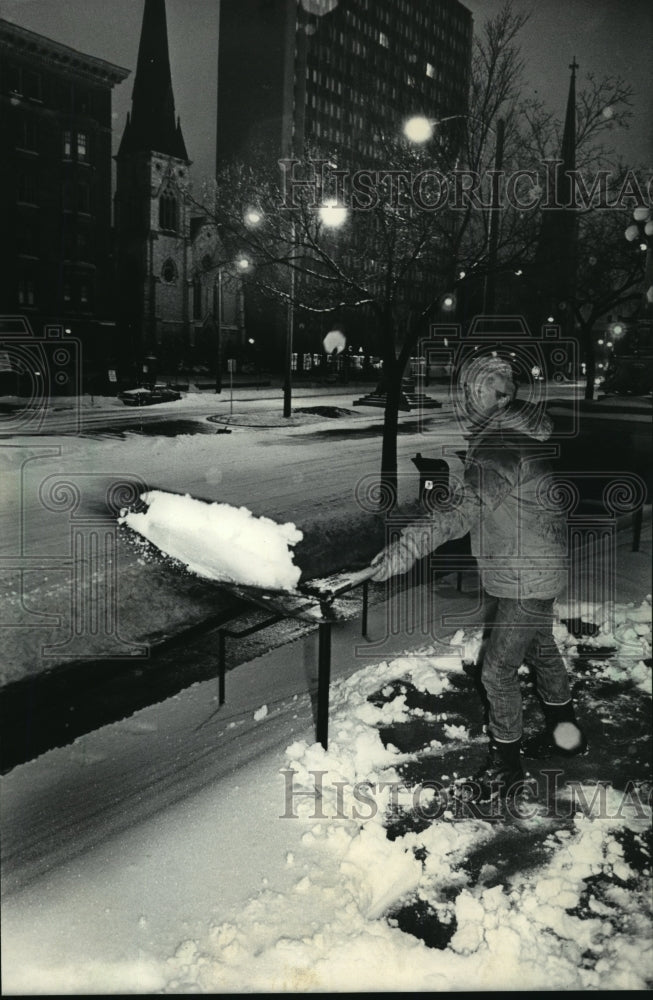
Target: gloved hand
{"x": 393, "y": 560}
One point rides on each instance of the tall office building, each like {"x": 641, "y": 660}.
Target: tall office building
{"x": 329, "y": 72}
{"x": 339, "y": 76}
{"x": 55, "y": 186}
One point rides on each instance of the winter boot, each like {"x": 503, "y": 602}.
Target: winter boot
{"x": 503, "y": 774}
{"x": 562, "y": 736}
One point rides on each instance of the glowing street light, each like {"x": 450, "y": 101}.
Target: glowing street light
{"x": 420, "y": 129}
{"x": 332, "y": 214}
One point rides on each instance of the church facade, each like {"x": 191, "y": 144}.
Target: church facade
{"x": 178, "y": 301}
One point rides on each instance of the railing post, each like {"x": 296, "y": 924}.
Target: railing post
{"x": 323, "y": 679}
{"x": 221, "y": 667}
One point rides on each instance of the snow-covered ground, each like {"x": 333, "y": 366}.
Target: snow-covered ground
{"x": 185, "y": 849}
{"x": 191, "y": 852}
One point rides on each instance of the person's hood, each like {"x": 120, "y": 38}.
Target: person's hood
{"x": 523, "y": 418}
{"x": 484, "y": 371}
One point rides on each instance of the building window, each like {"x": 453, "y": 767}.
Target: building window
{"x": 430, "y": 69}
{"x": 67, "y": 292}
{"x": 169, "y": 271}
{"x": 67, "y": 144}
{"x": 32, "y": 84}
{"x": 83, "y": 197}
{"x": 168, "y": 211}
{"x": 27, "y": 187}
{"x": 26, "y": 292}
{"x": 28, "y": 241}
{"x": 383, "y": 40}
{"x": 14, "y": 80}
{"x": 82, "y": 146}
{"x": 82, "y": 246}
{"x": 84, "y": 294}
{"x": 27, "y": 134}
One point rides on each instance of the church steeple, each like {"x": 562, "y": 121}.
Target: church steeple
{"x": 568, "y": 147}
{"x": 151, "y": 126}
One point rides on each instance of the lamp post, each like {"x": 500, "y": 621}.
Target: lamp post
{"x": 290, "y": 332}
{"x": 419, "y": 129}
{"x": 332, "y": 215}
{"x": 218, "y": 327}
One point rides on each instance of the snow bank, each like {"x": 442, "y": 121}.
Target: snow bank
{"x": 626, "y": 628}
{"x": 218, "y": 541}
{"x": 579, "y": 920}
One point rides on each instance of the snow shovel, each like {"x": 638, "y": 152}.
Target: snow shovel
{"x": 311, "y": 601}
{"x": 329, "y": 587}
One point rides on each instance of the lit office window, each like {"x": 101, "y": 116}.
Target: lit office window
{"x": 82, "y": 146}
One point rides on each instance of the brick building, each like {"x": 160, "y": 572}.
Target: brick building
{"x": 55, "y": 188}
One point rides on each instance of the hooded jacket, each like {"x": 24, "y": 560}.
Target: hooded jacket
{"x": 507, "y": 501}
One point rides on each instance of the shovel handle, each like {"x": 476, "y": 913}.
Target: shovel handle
{"x": 330, "y": 588}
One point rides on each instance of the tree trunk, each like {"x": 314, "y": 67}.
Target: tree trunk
{"x": 388, "y": 497}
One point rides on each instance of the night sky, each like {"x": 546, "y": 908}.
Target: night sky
{"x": 606, "y": 36}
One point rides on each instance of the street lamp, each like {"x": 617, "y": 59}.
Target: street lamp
{"x": 333, "y": 216}
{"x": 420, "y": 129}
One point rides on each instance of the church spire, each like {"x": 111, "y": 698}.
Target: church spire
{"x": 568, "y": 147}
{"x": 555, "y": 258}
{"x": 152, "y": 125}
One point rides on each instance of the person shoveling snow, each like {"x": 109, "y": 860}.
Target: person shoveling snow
{"x": 218, "y": 541}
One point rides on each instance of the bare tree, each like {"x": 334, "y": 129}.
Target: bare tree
{"x": 609, "y": 276}
{"x": 422, "y": 219}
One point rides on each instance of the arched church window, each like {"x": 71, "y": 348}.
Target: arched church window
{"x": 169, "y": 270}
{"x": 168, "y": 211}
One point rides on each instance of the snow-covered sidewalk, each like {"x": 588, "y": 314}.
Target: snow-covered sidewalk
{"x": 186, "y": 849}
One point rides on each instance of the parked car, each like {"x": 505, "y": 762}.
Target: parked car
{"x": 146, "y": 395}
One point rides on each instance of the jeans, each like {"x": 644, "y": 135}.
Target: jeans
{"x": 520, "y": 631}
